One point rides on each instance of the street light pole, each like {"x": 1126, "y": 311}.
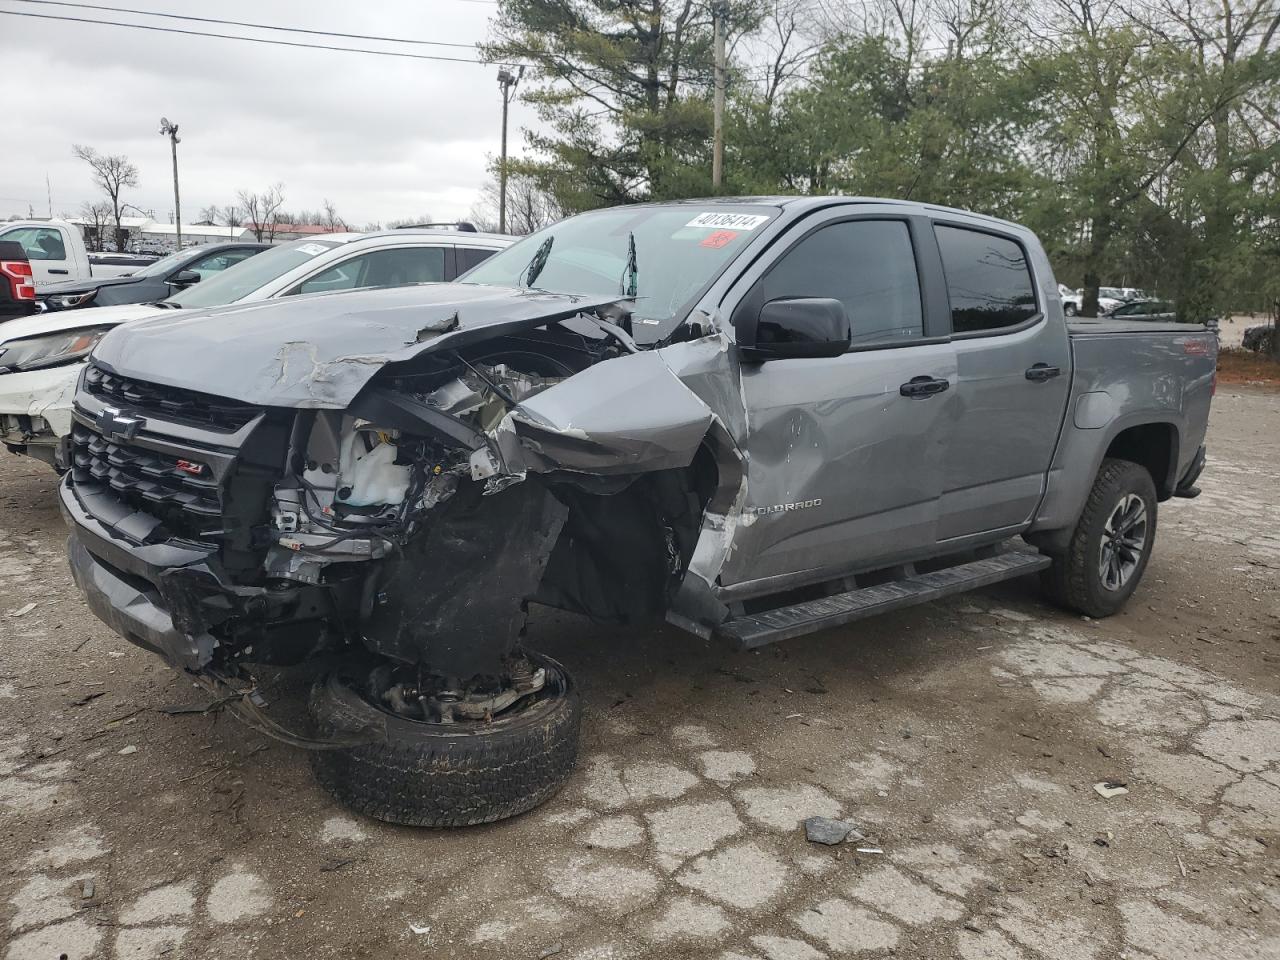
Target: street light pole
{"x": 172, "y": 130}
{"x": 507, "y": 81}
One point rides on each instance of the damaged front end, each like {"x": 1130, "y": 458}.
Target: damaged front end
{"x": 408, "y": 504}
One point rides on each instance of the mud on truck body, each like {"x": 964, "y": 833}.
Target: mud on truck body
{"x": 752, "y": 418}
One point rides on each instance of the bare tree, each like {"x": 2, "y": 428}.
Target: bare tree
{"x": 209, "y": 214}
{"x": 331, "y": 218}
{"x": 98, "y": 216}
{"x": 529, "y": 207}
{"x": 112, "y": 173}
{"x": 263, "y": 210}
{"x": 232, "y": 215}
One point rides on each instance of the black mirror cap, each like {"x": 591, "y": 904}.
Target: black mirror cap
{"x": 800, "y": 327}
{"x": 184, "y": 278}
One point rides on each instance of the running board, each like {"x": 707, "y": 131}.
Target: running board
{"x": 757, "y": 629}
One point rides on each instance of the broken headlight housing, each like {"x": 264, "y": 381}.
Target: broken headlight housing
{"x": 51, "y": 349}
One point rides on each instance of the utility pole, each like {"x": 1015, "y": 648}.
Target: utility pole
{"x": 507, "y": 81}
{"x": 719, "y": 10}
{"x": 171, "y": 129}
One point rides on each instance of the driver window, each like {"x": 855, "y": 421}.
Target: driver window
{"x": 868, "y": 265}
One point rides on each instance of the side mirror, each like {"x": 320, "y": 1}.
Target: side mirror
{"x": 803, "y": 327}
{"x": 184, "y": 278}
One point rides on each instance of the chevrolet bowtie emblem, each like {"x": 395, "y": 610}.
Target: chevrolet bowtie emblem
{"x": 114, "y": 425}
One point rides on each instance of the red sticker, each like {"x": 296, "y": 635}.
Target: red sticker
{"x": 720, "y": 238}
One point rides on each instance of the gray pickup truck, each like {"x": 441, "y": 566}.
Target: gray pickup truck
{"x": 754, "y": 418}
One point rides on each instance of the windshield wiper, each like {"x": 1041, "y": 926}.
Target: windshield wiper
{"x": 629, "y": 283}
{"x": 539, "y": 260}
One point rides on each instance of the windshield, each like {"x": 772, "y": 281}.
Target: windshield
{"x": 669, "y": 254}
{"x": 237, "y": 282}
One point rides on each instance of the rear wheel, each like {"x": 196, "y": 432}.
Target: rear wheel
{"x": 1111, "y": 544}
{"x": 449, "y": 759}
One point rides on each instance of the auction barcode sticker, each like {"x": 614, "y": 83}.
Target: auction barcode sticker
{"x": 727, "y": 221}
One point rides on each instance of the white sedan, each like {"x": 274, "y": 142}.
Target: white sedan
{"x": 41, "y": 356}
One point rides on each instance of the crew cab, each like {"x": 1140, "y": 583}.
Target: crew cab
{"x": 41, "y": 358}
{"x": 751, "y": 418}
{"x": 148, "y": 282}
{"x": 58, "y": 253}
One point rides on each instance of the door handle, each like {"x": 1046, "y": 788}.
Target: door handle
{"x": 920, "y": 387}
{"x": 1040, "y": 372}
{"x": 58, "y": 270}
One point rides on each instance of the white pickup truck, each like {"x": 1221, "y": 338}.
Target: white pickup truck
{"x": 57, "y": 252}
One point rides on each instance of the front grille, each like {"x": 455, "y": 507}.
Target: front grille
{"x": 187, "y": 505}
{"x": 174, "y": 403}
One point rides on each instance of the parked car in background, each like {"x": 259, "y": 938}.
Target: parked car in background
{"x": 41, "y": 357}
{"x": 1161, "y": 310}
{"x": 1071, "y": 300}
{"x": 17, "y": 286}
{"x": 57, "y": 251}
{"x": 751, "y": 418}
{"x": 1259, "y": 337}
{"x": 155, "y": 281}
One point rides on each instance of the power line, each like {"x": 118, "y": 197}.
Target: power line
{"x": 228, "y": 36}
{"x": 254, "y": 26}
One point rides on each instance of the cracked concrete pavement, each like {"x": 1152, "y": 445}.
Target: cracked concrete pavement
{"x": 962, "y": 738}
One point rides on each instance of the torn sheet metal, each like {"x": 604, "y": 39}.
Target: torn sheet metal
{"x": 628, "y": 415}
{"x": 320, "y": 352}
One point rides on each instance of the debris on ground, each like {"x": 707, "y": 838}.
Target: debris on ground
{"x": 829, "y": 831}
{"x": 869, "y": 850}
{"x": 127, "y": 750}
{"x": 22, "y": 611}
{"x": 551, "y": 951}
{"x": 87, "y": 889}
{"x": 419, "y": 928}
{"x": 1107, "y": 789}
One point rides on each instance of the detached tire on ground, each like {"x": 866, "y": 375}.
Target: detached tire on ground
{"x": 1111, "y": 543}
{"x": 448, "y": 775}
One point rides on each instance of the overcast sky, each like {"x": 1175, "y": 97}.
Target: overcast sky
{"x": 383, "y": 138}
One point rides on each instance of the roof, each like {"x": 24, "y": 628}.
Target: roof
{"x": 460, "y": 236}
{"x": 796, "y": 203}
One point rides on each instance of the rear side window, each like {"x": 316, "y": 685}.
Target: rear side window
{"x": 468, "y": 257}
{"x": 988, "y": 280}
{"x": 868, "y": 265}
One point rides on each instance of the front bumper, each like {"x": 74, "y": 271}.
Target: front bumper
{"x": 36, "y": 411}
{"x": 124, "y": 582}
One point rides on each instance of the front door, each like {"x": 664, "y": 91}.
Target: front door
{"x": 1014, "y": 376}
{"x": 844, "y": 454}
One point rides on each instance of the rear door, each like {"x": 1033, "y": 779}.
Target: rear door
{"x": 843, "y": 467}
{"x": 1013, "y": 363}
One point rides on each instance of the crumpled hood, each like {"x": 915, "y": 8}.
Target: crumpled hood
{"x": 319, "y": 351}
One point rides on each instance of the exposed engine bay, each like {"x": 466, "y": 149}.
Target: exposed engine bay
{"x": 434, "y": 503}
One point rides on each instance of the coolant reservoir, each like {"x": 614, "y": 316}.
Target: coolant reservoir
{"x": 370, "y": 476}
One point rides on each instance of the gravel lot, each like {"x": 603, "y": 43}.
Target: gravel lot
{"x": 963, "y": 738}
